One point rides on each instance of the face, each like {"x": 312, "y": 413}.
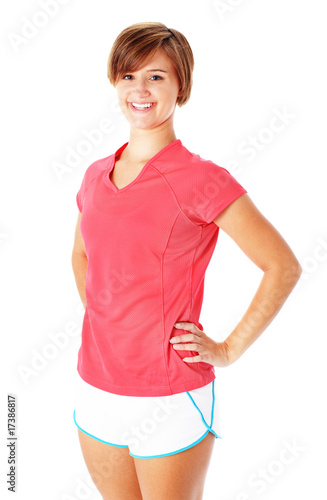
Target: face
{"x": 155, "y": 85}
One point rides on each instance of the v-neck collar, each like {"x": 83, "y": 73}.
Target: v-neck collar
{"x": 112, "y": 162}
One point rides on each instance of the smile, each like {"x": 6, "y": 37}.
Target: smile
{"x": 143, "y": 108}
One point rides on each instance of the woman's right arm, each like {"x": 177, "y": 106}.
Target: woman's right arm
{"x": 79, "y": 261}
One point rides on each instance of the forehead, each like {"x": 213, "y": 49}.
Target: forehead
{"x": 158, "y": 60}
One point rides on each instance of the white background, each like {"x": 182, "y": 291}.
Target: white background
{"x": 251, "y": 58}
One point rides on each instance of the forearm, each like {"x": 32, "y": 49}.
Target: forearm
{"x": 274, "y": 288}
{"x": 79, "y": 264}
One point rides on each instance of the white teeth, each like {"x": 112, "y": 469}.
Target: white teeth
{"x": 148, "y": 105}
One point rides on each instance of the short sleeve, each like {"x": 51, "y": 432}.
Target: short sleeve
{"x": 89, "y": 175}
{"x": 211, "y": 189}
{"x": 80, "y": 195}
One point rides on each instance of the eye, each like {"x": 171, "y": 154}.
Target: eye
{"x": 155, "y": 77}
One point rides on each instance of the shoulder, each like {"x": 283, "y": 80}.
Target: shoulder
{"x": 90, "y": 174}
{"x": 182, "y": 164}
{"x": 96, "y": 168}
{"x": 203, "y": 165}
{"x": 202, "y": 187}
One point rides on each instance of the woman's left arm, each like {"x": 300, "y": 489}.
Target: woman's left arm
{"x": 263, "y": 244}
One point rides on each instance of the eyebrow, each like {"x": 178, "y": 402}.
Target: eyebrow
{"x": 162, "y": 70}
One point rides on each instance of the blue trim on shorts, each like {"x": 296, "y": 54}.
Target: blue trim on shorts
{"x": 209, "y": 429}
{"x": 173, "y": 452}
{"x": 98, "y": 439}
{"x": 198, "y": 440}
{"x": 212, "y": 410}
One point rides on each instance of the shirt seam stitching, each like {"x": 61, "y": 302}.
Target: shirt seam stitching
{"x": 87, "y": 187}
{"x": 192, "y": 269}
{"x": 163, "y": 299}
{"x": 175, "y": 196}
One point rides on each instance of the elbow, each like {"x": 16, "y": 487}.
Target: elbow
{"x": 293, "y": 274}
{"x": 289, "y": 271}
{"x": 298, "y": 269}
{"x": 78, "y": 258}
{"x": 294, "y": 270}
{"x": 283, "y": 263}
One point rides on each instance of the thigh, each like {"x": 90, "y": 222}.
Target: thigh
{"x": 111, "y": 468}
{"x": 177, "y": 477}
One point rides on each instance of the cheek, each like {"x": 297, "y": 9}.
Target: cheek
{"x": 121, "y": 95}
{"x": 122, "y": 99}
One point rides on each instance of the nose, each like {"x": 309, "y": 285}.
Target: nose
{"x": 141, "y": 88}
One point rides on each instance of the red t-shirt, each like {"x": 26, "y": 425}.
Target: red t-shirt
{"x": 148, "y": 246}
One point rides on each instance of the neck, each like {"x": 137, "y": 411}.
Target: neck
{"x": 144, "y": 144}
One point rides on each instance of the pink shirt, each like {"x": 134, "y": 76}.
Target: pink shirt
{"x": 148, "y": 246}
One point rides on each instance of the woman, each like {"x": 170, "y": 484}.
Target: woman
{"x": 148, "y": 224}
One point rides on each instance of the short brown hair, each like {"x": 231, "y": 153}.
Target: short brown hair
{"x": 136, "y": 43}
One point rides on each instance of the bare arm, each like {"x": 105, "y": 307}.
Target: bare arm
{"x": 263, "y": 244}
{"x": 79, "y": 261}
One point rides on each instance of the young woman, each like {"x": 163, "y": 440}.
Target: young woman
{"x": 148, "y": 222}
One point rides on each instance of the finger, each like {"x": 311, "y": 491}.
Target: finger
{"x": 186, "y": 347}
{"x": 193, "y": 359}
{"x": 188, "y": 337}
{"x": 186, "y": 325}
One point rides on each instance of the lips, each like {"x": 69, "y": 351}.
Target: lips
{"x": 144, "y": 109}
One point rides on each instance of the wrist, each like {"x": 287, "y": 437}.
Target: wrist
{"x": 234, "y": 348}
{"x": 224, "y": 354}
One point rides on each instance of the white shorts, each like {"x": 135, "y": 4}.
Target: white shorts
{"x": 150, "y": 427}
